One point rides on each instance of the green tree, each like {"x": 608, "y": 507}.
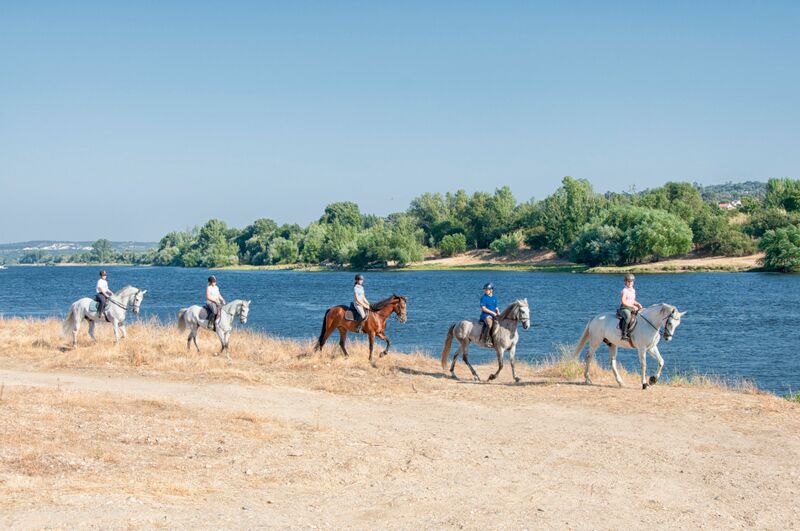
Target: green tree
{"x": 649, "y": 233}
{"x": 598, "y": 245}
{"x": 102, "y": 251}
{"x": 213, "y": 247}
{"x": 345, "y": 213}
{"x": 283, "y": 251}
{"x": 508, "y": 244}
{"x": 769, "y": 219}
{"x": 681, "y": 199}
{"x": 312, "y": 244}
{"x": 783, "y": 193}
{"x": 782, "y": 249}
{"x": 453, "y": 244}
{"x": 564, "y": 213}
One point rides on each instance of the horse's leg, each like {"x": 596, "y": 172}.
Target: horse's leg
{"x": 342, "y": 339}
{"x": 499, "y": 363}
{"x": 464, "y": 356}
{"x": 124, "y": 331}
{"x": 455, "y": 357}
{"x": 657, "y": 355}
{"x": 221, "y": 337}
{"x": 76, "y": 327}
{"x": 512, "y": 352}
{"x": 371, "y": 337}
{"x": 643, "y": 363}
{"x": 195, "y": 329}
{"x": 589, "y": 357}
{"x": 91, "y": 330}
{"x": 612, "y": 358}
{"x": 227, "y": 345}
{"x": 382, "y": 335}
{"x": 115, "y": 324}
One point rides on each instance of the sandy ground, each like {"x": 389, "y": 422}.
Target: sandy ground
{"x": 484, "y": 258}
{"x": 122, "y": 445}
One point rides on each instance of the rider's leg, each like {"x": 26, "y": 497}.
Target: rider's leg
{"x": 626, "y": 320}
{"x": 488, "y": 321}
{"x": 362, "y": 314}
{"x": 101, "y": 302}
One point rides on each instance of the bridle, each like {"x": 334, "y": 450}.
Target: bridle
{"x": 119, "y": 304}
{"x": 667, "y": 333}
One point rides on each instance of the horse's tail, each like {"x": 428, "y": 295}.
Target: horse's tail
{"x": 182, "y": 319}
{"x": 69, "y": 323}
{"x": 447, "y": 343}
{"x": 321, "y": 340}
{"x": 582, "y": 342}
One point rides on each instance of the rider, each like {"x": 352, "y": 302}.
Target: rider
{"x": 102, "y": 293}
{"x": 628, "y": 305}
{"x": 489, "y": 312}
{"x": 361, "y": 304}
{"x": 214, "y": 300}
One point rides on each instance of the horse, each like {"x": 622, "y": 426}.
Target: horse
{"x": 374, "y": 325}
{"x": 505, "y": 338}
{"x": 191, "y": 318}
{"x": 115, "y": 311}
{"x": 645, "y": 337}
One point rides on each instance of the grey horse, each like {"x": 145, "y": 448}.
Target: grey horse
{"x": 191, "y": 318}
{"x": 645, "y": 337}
{"x": 116, "y": 310}
{"x": 506, "y": 338}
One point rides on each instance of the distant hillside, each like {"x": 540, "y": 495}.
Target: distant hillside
{"x": 59, "y": 248}
{"x": 730, "y": 191}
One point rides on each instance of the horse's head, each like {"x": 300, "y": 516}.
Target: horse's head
{"x": 401, "y": 308}
{"x": 137, "y": 300}
{"x": 244, "y": 309}
{"x": 524, "y": 313}
{"x": 673, "y": 320}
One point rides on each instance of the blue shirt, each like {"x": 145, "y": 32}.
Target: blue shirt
{"x": 488, "y": 302}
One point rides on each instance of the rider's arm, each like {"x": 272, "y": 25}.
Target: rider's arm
{"x": 487, "y": 310}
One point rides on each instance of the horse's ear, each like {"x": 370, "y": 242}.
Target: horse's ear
{"x": 681, "y": 314}
{"x": 144, "y": 291}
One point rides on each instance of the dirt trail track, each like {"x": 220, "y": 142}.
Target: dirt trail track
{"x": 456, "y": 455}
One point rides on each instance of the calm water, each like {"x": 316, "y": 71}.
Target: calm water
{"x": 738, "y": 325}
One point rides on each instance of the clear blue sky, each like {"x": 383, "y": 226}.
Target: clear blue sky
{"x": 127, "y": 120}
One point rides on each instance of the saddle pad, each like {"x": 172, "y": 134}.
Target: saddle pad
{"x": 203, "y": 315}
{"x": 93, "y": 306}
{"x": 348, "y": 316}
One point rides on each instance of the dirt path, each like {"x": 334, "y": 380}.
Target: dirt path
{"x": 142, "y": 452}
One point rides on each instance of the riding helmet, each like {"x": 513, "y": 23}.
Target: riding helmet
{"x": 103, "y": 273}
{"x": 211, "y": 279}
{"x": 629, "y": 276}
{"x": 488, "y": 286}
{"x": 359, "y": 277}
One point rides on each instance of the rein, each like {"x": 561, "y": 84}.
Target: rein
{"x": 656, "y": 328}
{"x": 117, "y": 303}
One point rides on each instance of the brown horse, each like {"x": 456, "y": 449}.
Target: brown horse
{"x": 374, "y": 325}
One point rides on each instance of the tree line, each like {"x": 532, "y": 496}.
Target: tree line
{"x": 574, "y": 222}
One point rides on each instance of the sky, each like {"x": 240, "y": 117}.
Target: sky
{"x": 126, "y": 120}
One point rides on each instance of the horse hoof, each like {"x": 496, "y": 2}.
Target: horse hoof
{"x": 587, "y": 381}
{"x": 653, "y": 380}
{"x": 453, "y": 376}
{"x": 644, "y": 386}
{"x": 491, "y": 377}
{"x": 516, "y": 379}
{"x": 382, "y": 354}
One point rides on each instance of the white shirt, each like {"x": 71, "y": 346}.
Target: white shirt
{"x": 212, "y": 294}
{"x": 102, "y": 286}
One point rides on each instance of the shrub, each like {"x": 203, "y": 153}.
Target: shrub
{"x": 453, "y": 244}
{"x": 507, "y": 244}
{"x": 598, "y": 245}
{"x": 782, "y": 249}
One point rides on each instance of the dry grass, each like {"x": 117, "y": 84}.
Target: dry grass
{"x": 155, "y": 349}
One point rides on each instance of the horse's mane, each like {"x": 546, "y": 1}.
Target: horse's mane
{"x": 504, "y": 314}
{"x": 385, "y": 302}
{"x": 125, "y": 290}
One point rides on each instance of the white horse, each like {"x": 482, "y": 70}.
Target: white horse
{"x": 506, "y": 338}
{"x": 645, "y": 337}
{"x": 195, "y": 316}
{"x": 116, "y": 309}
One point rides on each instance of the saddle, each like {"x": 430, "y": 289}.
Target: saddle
{"x": 207, "y": 314}
{"x": 350, "y": 313}
{"x": 94, "y": 307}
{"x": 633, "y": 321}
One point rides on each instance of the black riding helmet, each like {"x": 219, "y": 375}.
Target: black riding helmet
{"x": 103, "y": 273}
{"x": 488, "y": 286}
{"x": 211, "y": 279}
{"x": 359, "y": 277}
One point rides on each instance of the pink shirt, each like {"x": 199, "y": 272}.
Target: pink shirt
{"x": 628, "y": 296}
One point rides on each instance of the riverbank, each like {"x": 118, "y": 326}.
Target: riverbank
{"x": 545, "y": 261}
{"x": 146, "y": 435}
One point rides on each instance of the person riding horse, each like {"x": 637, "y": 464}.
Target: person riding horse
{"x": 102, "y": 293}
{"x": 489, "y": 311}
{"x": 214, "y": 301}
{"x": 361, "y": 304}
{"x": 628, "y": 305}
